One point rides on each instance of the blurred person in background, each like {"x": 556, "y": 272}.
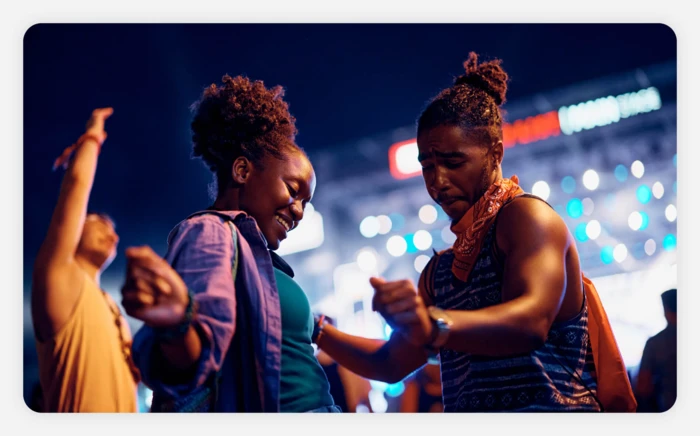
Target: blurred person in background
{"x": 82, "y": 340}
{"x": 656, "y": 380}
{"x": 423, "y": 391}
{"x": 226, "y": 327}
{"x": 348, "y": 389}
{"x": 515, "y": 323}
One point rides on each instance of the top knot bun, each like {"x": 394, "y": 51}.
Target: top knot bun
{"x": 487, "y": 76}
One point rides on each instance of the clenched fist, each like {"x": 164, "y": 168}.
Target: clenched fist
{"x": 403, "y": 309}
{"x": 153, "y": 291}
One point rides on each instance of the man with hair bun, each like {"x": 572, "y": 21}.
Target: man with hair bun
{"x": 517, "y": 326}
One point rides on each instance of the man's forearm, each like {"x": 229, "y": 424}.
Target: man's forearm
{"x": 499, "y": 330}
{"x": 67, "y": 222}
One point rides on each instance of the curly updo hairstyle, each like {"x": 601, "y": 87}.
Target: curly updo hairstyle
{"x": 472, "y": 103}
{"x": 237, "y": 118}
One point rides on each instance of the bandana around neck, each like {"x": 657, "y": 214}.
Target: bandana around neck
{"x": 471, "y": 229}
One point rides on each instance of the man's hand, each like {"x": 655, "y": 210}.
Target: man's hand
{"x": 403, "y": 309}
{"x": 95, "y": 127}
{"x": 96, "y": 124}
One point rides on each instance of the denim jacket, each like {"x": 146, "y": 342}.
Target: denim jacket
{"x": 239, "y": 322}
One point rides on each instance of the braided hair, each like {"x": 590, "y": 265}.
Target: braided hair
{"x": 472, "y": 103}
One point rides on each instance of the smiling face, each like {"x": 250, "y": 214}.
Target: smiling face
{"x": 276, "y": 192}
{"x": 457, "y": 167}
{"x": 98, "y": 243}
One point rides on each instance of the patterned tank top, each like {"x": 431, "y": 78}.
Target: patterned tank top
{"x": 557, "y": 377}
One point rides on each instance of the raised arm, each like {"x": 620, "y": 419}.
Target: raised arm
{"x": 57, "y": 278}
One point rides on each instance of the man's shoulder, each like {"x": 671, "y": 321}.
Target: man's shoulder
{"x": 661, "y": 338}
{"x": 526, "y": 217}
{"x": 525, "y": 208}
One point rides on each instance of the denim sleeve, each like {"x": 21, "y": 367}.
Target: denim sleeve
{"x": 201, "y": 251}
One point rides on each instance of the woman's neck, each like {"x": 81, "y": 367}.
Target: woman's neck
{"x": 228, "y": 200}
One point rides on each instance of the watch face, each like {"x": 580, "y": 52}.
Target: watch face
{"x": 437, "y": 314}
{"x": 442, "y": 322}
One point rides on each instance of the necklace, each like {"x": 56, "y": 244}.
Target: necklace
{"x": 125, "y": 345}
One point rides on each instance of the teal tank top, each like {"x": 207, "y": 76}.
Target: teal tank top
{"x": 303, "y": 384}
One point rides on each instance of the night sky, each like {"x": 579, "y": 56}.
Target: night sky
{"x": 343, "y": 82}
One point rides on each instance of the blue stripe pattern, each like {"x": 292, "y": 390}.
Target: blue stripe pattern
{"x": 541, "y": 381}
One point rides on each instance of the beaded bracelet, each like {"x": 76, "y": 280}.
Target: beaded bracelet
{"x": 171, "y": 333}
{"x": 319, "y": 323}
{"x": 64, "y": 158}
{"x": 86, "y": 136}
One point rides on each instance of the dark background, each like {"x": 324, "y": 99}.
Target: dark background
{"x": 343, "y": 81}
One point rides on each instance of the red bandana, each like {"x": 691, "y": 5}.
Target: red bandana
{"x": 471, "y": 229}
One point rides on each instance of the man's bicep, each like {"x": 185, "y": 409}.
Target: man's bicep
{"x": 56, "y": 289}
{"x": 426, "y": 288}
{"x": 535, "y": 265}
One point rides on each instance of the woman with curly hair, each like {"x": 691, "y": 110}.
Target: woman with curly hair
{"x": 227, "y": 329}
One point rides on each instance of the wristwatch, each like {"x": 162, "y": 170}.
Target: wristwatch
{"x": 443, "y": 322}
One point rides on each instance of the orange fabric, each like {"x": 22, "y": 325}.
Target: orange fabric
{"x": 472, "y": 228}
{"x": 83, "y": 368}
{"x": 614, "y": 389}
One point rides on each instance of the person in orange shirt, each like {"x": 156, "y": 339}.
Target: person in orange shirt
{"x": 82, "y": 340}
